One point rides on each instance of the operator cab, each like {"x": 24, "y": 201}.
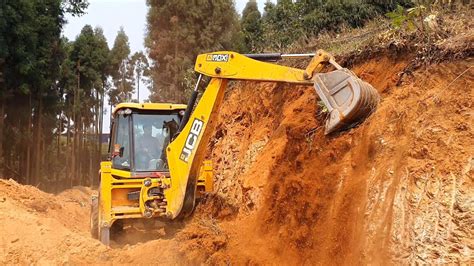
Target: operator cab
{"x": 140, "y": 135}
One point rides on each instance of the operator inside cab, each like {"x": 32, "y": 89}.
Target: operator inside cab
{"x": 152, "y": 136}
{"x": 149, "y": 147}
{"x": 140, "y": 139}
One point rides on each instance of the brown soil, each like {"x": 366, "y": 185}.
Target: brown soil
{"x": 398, "y": 189}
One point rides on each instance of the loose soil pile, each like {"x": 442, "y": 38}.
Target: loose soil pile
{"x": 396, "y": 189}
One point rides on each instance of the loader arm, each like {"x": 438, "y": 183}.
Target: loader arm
{"x": 186, "y": 152}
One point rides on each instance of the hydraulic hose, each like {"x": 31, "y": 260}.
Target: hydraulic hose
{"x": 190, "y": 107}
{"x": 273, "y": 57}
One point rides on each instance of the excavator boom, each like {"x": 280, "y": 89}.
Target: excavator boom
{"x": 348, "y": 99}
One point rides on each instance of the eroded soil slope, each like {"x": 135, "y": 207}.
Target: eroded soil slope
{"x": 398, "y": 188}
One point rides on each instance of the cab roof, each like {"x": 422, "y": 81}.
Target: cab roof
{"x": 150, "y": 106}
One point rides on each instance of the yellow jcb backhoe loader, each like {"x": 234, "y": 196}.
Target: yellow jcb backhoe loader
{"x": 157, "y": 167}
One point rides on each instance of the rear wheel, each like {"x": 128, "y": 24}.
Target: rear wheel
{"x": 94, "y": 217}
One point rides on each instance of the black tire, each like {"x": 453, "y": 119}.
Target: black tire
{"x": 94, "y": 217}
{"x": 116, "y": 228}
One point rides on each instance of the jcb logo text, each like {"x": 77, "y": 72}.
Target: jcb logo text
{"x": 191, "y": 140}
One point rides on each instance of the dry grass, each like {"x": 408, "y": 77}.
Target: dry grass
{"x": 450, "y": 38}
{"x": 347, "y": 40}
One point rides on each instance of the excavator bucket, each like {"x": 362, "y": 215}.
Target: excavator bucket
{"x": 349, "y": 100}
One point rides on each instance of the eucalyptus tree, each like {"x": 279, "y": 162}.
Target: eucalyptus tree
{"x": 177, "y": 31}
{"x": 121, "y": 70}
{"x": 31, "y": 52}
{"x": 141, "y": 67}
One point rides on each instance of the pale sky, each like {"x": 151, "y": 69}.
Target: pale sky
{"x": 110, "y": 15}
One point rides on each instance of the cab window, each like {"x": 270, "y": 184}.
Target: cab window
{"x": 121, "y": 143}
{"x": 152, "y": 133}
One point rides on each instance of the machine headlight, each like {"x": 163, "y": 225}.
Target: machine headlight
{"x": 147, "y": 182}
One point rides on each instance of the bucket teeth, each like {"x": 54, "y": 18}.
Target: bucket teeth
{"x": 349, "y": 100}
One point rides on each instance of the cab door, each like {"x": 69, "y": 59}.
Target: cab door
{"x": 121, "y": 142}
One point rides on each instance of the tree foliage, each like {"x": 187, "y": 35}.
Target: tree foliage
{"x": 122, "y": 70}
{"x": 51, "y": 94}
{"x": 287, "y": 21}
{"x": 251, "y": 25}
{"x": 177, "y": 31}
{"x": 30, "y": 56}
{"x": 140, "y": 67}
{"x": 409, "y": 19}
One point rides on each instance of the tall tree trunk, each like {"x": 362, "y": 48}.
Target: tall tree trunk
{"x": 60, "y": 128}
{"x": 92, "y": 154}
{"x": 76, "y": 125}
{"x": 101, "y": 129}
{"x": 68, "y": 149}
{"x": 138, "y": 86}
{"x": 81, "y": 152}
{"x": 3, "y": 91}
{"x": 74, "y": 143}
{"x": 37, "y": 141}
{"x": 176, "y": 80}
{"x": 28, "y": 144}
{"x": 101, "y": 123}
{"x": 21, "y": 158}
{"x": 2, "y": 115}
{"x": 98, "y": 132}
{"x": 43, "y": 157}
